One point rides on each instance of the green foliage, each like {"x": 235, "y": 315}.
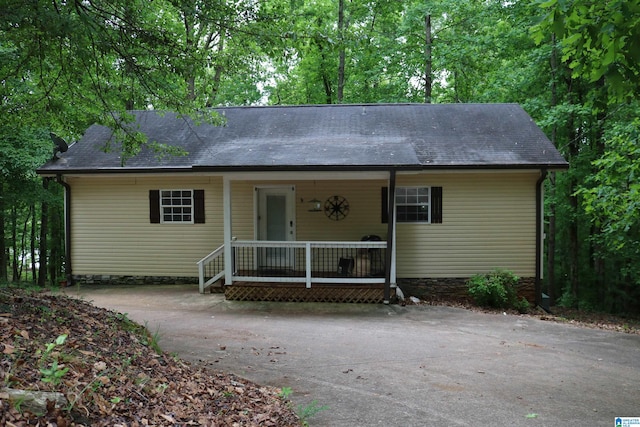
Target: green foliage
{"x": 611, "y": 201}
{"x": 152, "y": 340}
{"x": 304, "y": 411}
{"x": 522, "y": 305}
{"x": 477, "y": 51}
{"x": 307, "y": 411}
{"x": 285, "y": 392}
{"x": 600, "y": 39}
{"x": 52, "y": 372}
{"x": 587, "y": 301}
{"x": 497, "y": 289}
{"x": 612, "y": 194}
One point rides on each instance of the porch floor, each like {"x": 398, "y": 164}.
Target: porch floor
{"x": 298, "y": 292}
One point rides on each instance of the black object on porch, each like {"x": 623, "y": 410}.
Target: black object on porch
{"x": 376, "y": 259}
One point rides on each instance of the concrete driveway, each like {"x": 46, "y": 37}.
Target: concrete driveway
{"x": 398, "y": 366}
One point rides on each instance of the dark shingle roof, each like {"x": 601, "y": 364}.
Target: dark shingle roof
{"x": 329, "y": 136}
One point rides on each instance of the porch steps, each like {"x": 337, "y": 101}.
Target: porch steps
{"x": 298, "y": 292}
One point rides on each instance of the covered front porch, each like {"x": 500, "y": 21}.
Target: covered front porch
{"x": 300, "y": 271}
{"x": 284, "y": 260}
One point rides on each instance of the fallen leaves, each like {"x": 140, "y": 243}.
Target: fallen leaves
{"x": 581, "y": 318}
{"x": 114, "y": 376}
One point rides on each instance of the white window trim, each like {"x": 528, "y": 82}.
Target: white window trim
{"x": 192, "y": 206}
{"x": 428, "y": 204}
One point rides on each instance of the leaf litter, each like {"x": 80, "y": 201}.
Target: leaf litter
{"x": 629, "y": 324}
{"x": 110, "y": 372}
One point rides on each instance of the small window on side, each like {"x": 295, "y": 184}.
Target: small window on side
{"x": 414, "y": 204}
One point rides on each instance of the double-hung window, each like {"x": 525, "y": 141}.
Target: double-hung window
{"x": 176, "y": 206}
{"x": 413, "y": 204}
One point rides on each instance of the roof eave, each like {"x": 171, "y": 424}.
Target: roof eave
{"x": 298, "y": 168}
{"x": 531, "y": 166}
{"x": 110, "y": 171}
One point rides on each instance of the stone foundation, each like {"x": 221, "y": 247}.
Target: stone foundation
{"x": 455, "y": 288}
{"x": 131, "y": 280}
{"x": 425, "y": 289}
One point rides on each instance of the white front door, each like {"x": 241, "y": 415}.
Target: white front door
{"x": 276, "y": 222}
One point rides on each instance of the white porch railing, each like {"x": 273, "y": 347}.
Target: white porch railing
{"x": 211, "y": 269}
{"x": 300, "y": 262}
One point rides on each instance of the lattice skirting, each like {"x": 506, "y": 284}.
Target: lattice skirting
{"x": 299, "y": 293}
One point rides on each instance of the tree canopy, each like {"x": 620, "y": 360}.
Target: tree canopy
{"x": 599, "y": 40}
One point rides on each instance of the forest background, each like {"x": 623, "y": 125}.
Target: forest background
{"x": 574, "y": 65}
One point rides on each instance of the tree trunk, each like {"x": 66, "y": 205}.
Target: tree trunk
{"x": 190, "y": 76}
{"x": 551, "y": 241}
{"x": 327, "y": 88}
{"x": 44, "y": 225}
{"x": 456, "y": 89}
{"x": 341, "y": 54}
{"x": 14, "y": 244}
{"x": 551, "y": 230}
{"x": 574, "y": 244}
{"x": 326, "y": 81}
{"x": 598, "y": 147}
{"x": 32, "y": 243}
{"x": 4, "y": 271}
{"x": 428, "y": 79}
{"x": 129, "y": 70}
{"x": 23, "y": 242}
{"x": 190, "y": 50}
{"x": 217, "y": 75}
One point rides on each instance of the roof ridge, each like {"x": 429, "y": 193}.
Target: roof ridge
{"x": 382, "y": 104}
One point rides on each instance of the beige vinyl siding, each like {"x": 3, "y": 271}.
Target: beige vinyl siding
{"x": 363, "y": 218}
{"x": 364, "y": 210}
{"x": 489, "y": 221}
{"x": 242, "y": 210}
{"x": 112, "y": 234}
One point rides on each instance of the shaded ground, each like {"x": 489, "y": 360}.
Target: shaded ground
{"x": 109, "y": 371}
{"x": 586, "y": 319}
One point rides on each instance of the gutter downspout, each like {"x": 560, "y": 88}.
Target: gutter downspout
{"x": 391, "y": 220}
{"x": 539, "y": 236}
{"x": 67, "y": 229}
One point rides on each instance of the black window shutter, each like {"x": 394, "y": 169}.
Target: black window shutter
{"x": 384, "y": 210}
{"x": 154, "y": 206}
{"x": 436, "y": 205}
{"x": 198, "y": 206}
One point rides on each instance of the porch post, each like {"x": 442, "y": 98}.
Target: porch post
{"x": 389, "y": 259}
{"x": 228, "y": 250}
{"x": 307, "y": 264}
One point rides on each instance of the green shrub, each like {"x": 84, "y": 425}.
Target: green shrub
{"x": 497, "y": 289}
{"x": 522, "y": 305}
